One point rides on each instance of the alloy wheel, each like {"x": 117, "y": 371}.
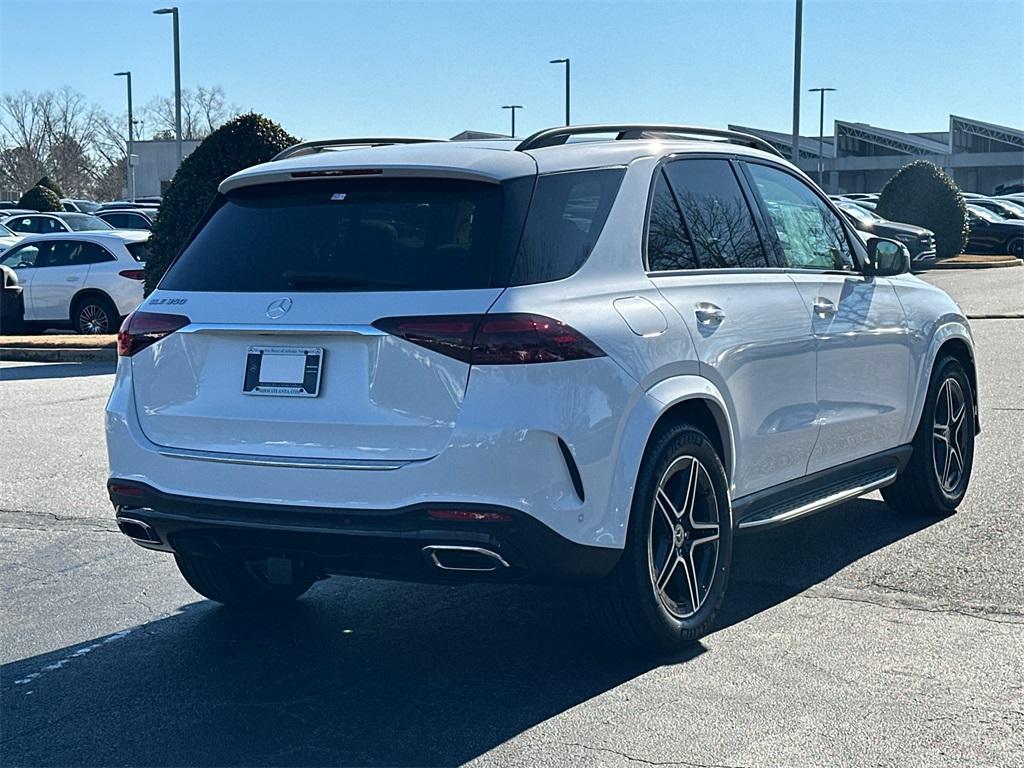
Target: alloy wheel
{"x": 93, "y": 319}
{"x": 684, "y": 537}
{"x": 948, "y": 435}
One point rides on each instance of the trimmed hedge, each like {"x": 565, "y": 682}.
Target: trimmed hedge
{"x": 247, "y": 140}
{"x": 41, "y": 198}
{"x": 921, "y": 193}
{"x": 49, "y": 183}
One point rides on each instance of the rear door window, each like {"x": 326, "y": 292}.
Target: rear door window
{"x": 91, "y": 253}
{"x": 384, "y": 234}
{"x": 716, "y": 213}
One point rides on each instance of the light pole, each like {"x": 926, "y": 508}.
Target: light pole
{"x": 177, "y": 77}
{"x": 821, "y": 134}
{"x": 129, "y": 170}
{"x": 566, "y": 62}
{"x": 513, "y": 107}
{"x": 797, "y": 42}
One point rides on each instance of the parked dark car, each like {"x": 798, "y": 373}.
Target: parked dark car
{"x": 1006, "y": 209}
{"x": 918, "y": 240}
{"x": 991, "y": 234}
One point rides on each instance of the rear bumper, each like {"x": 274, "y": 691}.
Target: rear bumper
{"x": 392, "y": 543}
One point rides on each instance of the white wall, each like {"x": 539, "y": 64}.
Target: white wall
{"x": 157, "y": 162}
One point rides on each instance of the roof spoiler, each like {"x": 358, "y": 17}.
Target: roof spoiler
{"x": 313, "y": 147}
{"x": 551, "y": 137}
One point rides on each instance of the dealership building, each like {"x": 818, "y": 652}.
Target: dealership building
{"x": 857, "y": 157}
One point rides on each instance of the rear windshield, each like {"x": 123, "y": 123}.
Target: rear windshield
{"x": 349, "y": 235}
{"x": 410, "y": 234}
{"x": 84, "y": 222}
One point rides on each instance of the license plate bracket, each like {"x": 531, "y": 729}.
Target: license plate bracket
{"x": 283, "y": 371}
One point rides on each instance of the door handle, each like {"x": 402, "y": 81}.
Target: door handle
{"x": 708, "y": 313}
{"x": 823, "y": 307}
{"x": 72, "y": 279}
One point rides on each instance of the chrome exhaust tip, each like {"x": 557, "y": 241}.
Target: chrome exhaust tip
{"x": 446, "y": 557}
{"x": 137, "y": 530}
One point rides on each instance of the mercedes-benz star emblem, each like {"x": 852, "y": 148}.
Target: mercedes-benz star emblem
{"x": 279, "y": 308}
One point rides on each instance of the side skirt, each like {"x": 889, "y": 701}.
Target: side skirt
{"x": 806, "y": 495}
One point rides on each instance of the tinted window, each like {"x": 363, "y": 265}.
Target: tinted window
{"x": 91, "y": 253}
{"x": 58, "y": 253}
{"x": 716, "y": 213}
{"x": 350, "y": 235}
{"x": 24, "y": 224}
{"x": 567, "y": 214}
{"x": 48, "y": 225}
{"x": 668, "y": 242}
{"x": 126, "y": 221}
{"x": 810, "y": 234}
{"x": 21, "y": 258}
{"x": 139, "y": 251}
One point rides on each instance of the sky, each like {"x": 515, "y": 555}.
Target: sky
{"x": 347, "y": 68}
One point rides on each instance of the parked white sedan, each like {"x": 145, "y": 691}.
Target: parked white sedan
{"x": 89, "y": 280}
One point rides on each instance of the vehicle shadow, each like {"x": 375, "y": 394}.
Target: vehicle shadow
{"x": 370, "y": 673}
{"x": 54, "y": 370}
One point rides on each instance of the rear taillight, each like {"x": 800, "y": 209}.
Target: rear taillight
{"x": 133, "y": 274}
{"x": 501, "y": 339}
{"x": 140, "y": 329}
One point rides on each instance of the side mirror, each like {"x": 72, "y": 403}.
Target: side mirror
{"x": 888, "y": 257}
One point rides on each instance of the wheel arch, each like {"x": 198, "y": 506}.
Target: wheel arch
{"x": 958, "y": 348}
{"x": 953, "y": 338}
{"x": 86, "y": 293}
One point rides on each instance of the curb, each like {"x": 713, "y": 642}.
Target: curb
{"x": 58, "y": 355}
{"x": 949, "y": 264}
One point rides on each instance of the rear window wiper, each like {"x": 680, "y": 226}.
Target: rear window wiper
{"x": 337, "y": 280}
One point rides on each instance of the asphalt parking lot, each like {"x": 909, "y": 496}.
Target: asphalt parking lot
{"x": 856, "y": 637}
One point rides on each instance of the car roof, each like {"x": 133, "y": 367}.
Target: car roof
{"x": 140, "y": 211}
{"x": 119, "y": 235}
{"x": 487, "y": 160}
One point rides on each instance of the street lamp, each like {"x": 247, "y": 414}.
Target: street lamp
{"x": 513, "y": 107}
{"x": 129, "y": 167}
{"x": 821, "y": 134}
{"x": 797, "y": 43}
{"x": 177, "y": 77}
{"x": 566, "y": 62}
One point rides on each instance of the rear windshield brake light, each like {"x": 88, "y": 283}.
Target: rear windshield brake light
{"x": 499, "y": 339}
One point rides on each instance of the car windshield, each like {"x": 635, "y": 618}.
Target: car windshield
{"x": 87, "y": 206}
{"x": 5, "y": 232}
{"x": 984, "y": 213}
{"x": 83, "y": 222}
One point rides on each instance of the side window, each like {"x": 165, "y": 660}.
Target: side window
{"x": 717, "y": 215}
{"x": 668, "y": 242}
{"x": 811, "y": 236}
{"x": 27, "y": 224}
{"x": 21, "y": 258}
{"x": 57, "y": 253}
{"x": 567, "y": 214}
{"x": 91, "y": 253}
{"x": 51, "y": 225}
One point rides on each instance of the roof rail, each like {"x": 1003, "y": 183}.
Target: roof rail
{"x": 313, "y": 147}
{"x": 551, "y": 137}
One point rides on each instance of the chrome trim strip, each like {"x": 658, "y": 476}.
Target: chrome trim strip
{"x": 828, "y": 501}
{"x": 432, "y": 549}
{"x": 281, "y": 461}
{"x": 271, "y": 328}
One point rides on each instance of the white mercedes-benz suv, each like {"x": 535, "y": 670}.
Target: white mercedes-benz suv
{"x": 595, "y": 355}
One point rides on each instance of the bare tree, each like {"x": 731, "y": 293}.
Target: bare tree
{"x": 202, "y": 111}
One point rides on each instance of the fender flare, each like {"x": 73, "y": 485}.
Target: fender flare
{"x": 948, "y": 328}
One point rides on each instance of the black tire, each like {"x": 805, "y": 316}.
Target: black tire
{"x": 237, "y": 583}
{"x": 1016, "y": 247}
{"x": 924, "y": 487}
{"x": 94, "y": 314}
{"x": 628, "y": 605}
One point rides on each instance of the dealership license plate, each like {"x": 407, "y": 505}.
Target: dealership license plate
{"x": 283, "y": 371}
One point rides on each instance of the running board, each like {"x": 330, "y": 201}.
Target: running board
{"x": 821, "y": 498}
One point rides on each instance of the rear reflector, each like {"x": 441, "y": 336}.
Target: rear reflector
{"x": 468, "y": 515}
{"x": 140, "y": 329}
{"x": 124, "y": 490}
{"x": 500, "y": 339}
{"x": 133, "y": 274}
